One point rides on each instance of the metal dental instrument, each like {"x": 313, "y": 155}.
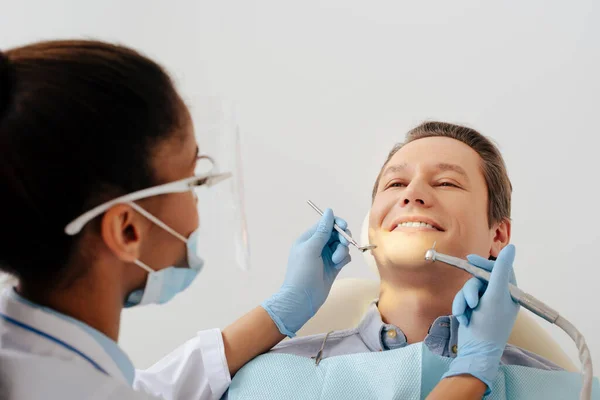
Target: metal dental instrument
{"x": 535, "y": 306}
{"x": 341, "y": 231}
{"x": 319, "y": 355}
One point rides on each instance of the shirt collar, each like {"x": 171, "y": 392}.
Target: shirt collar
{"x": 375, "y": 333}
{"x": 370, "y": 328}
{"x": 110, "y": 346}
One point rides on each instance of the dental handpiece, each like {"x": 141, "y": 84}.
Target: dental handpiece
{"x": 524, "y": 299}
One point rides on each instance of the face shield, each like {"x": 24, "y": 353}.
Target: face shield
{"x": 223, "y": 228}
{"x": 223, "y": 234}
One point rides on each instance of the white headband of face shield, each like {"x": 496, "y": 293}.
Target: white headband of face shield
{"x": 181, "y": 186}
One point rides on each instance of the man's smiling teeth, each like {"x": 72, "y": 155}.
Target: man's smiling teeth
{"x": 415, "y": 225}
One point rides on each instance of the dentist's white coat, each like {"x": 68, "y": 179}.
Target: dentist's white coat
{"x": 34, "y": 366}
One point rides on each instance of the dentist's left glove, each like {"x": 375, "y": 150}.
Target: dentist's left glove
{"x": 315, "y": 260}
{"x": 486, "y": 315}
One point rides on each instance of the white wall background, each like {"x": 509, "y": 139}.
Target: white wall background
{"x": 325, "y": 88}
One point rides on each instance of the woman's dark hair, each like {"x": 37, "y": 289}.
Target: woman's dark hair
{"x": 79, "y": 122}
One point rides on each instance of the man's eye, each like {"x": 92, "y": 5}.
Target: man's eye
{"x": 447, "y": 184}
{"x": 395, "y": 184}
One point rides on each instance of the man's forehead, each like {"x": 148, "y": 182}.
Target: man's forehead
{"x": 436, "y": 153}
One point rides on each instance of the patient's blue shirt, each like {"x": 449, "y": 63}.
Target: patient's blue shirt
{"x": 372, "y": 334}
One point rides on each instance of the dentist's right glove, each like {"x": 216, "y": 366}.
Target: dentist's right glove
{"x": 315, "y": 260}
{"x": 486, "y": 316}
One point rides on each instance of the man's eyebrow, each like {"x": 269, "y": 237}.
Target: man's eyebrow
{"x": 452, "y": 167}
{"x": 392, "y": 169}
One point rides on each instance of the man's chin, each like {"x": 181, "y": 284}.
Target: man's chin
{"x": 405, "y": 261}
{"x": 406, "y": 253}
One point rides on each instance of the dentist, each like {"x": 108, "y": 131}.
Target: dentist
{"x": 99, "y": 213}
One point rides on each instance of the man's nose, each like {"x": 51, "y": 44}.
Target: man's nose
{"x": 416, "y": 200}
{"x": 415, "y": 195}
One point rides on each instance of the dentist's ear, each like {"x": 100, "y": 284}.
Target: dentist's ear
{"x": 501, "y": 237}
{"x": 121, "y": 230}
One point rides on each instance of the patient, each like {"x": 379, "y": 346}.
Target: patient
{"x": 446, "y": 184}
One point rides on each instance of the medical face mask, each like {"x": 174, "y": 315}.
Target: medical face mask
{"x": 161, "y": 286}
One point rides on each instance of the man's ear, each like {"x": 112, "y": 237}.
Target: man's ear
{"x": 501, "y": 237}
{"x": 122, "y": 229}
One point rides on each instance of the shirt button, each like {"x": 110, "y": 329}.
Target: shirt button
{"x": 392, "y": 334}
{"x": 454, "y": 349}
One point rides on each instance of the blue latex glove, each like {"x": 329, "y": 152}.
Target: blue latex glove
{"x": 486, "y": 322}
{"x": 315, "y": 260}
{"x": 468, "y": 298}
